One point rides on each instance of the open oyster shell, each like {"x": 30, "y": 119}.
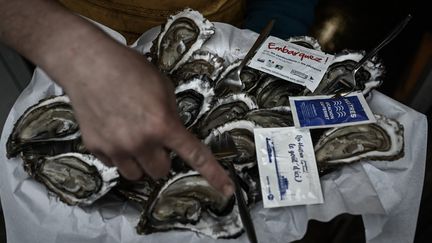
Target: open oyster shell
{"x": 275, "y": 117}
{"x": 383, "y": 140}
{"x": 49, "y": 120}
{"x": 193, "y": 99}
{"x": 305, "y": 41}
{"x": 188, "y": 202}
{"x": 242, "y": 134}
{"x": 273, "y": 92}
{"x": 226, "y": 109}
{"x": 182, "y": 34}
{"x": 75, "y": 178}
{"x": 368, "y": 77}
{"x": 200, "y": 63}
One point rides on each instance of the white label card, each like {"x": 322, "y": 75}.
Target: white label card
{"x": 287, "y": 168}
{"x": 291, "y": 62}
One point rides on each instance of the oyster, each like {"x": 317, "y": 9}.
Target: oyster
{"x": 276, "y": 117}
{"x": 274, "y": 92}
{"x": 383, "y": 140}
{"x": 242, "y": 134}
{"x": 49, "y": 120}
{"x": 305, "y": 41}
{"x": 188, "y": 202}
{"x": 193, "y": 99}
{"x": 225, "y": 109}
{"x": 75, "y": 178}
{"x": 368, "y": 77}
{"x": 200, "y": 63}
{"x": 182, "y": 34}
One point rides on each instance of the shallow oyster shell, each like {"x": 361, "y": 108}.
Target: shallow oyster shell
{"x": 242, "y": 134}
{"x": 182, "y": 34}
{"x": 224, "y": 110}
{"x": 188, "y": 202}
{"x": 51, "y": 119}
{"x": 193, "y": 99}
{"x": 75, "y": 178}
{"x": 274, "y": 117}
{"x": 305, "y": 41}
{"x": 200, "y": 63}
{"x": 383, "y": 140}
{"x": 273, "y": 92}
{"x": 368, "y": 77}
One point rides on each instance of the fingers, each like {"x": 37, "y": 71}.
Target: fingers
{"x": 199, "y": 157}
{"x": 155, "y": 162}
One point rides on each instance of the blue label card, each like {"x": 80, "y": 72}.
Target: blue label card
{"x": 326, "y": 111}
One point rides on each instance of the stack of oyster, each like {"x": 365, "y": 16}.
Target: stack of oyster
{"x": 47, "y": 136}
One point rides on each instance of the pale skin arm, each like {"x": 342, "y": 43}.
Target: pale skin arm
{"x": 125, "y": 107}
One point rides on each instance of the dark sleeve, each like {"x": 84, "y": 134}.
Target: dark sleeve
{"x": 293, "y": 17}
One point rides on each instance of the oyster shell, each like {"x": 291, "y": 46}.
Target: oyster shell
{"x": 276, "y": 117}
{"x": 273, "y": 92}
{"x": 383, "y": 140}
{"x": 188, "y": 202}
{"x": 242, "y": 134}
{"x": 75, "y": 178}
{"x": 305, "y": 41}
{"x": 193, "y": 99}
{"x": 200, "y": 63}
{"x": 182, "y": 34}
{"x": 368, "y": 77}
{"x": 51, "y": 119}
{"x": 225, "y": 109}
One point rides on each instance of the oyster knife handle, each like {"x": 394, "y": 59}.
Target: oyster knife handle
{"x": 261, "y": 38}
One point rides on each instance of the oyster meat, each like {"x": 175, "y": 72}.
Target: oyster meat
{"x": 75, "y": 178}
{"x": 187, "y": 201}
{"x": 382, "y": 140}
{"x": 51, "y": 119}
{"x": 193, "y": 99}
{"x": 182, "y": 35}
{"x": 200, "y": 63}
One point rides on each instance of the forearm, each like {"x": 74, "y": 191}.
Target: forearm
{"x": 50, "y": 36}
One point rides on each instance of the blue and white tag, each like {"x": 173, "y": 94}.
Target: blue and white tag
{"x": 325, "y": 111}
{"x": 287, "y": 167}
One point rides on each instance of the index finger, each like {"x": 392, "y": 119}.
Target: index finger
{"x": 200, "y": 158}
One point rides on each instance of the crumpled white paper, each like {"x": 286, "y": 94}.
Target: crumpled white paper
{"x": 386, "y": 194}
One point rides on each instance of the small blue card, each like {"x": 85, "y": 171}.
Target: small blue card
{"x": 326, "y": 111}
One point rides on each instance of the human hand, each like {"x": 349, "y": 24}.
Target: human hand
{"x": 126, "y": 109}
{"x": 128, "y": 117}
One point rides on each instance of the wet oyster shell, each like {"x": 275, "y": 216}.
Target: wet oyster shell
{"x": 200, "y": 63}
{"x": 51, "y": 119}
{"x": 182, "y": 34}
{"x": 275, "y": 117}
{"x": 273, "y": 92}
{"x": 193, "y": 99}
{"x": 383, "y": 140}
{"x": 242, "y": 134}
{"x": 226, "y": 109}
{"x": 305, "y": 41}
{"x": 188, "y": 202}
{"x": 368, "y": 77}
{"x": 75, "y": 178}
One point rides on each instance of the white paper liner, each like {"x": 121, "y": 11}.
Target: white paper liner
{"x": 386, "y": 194}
